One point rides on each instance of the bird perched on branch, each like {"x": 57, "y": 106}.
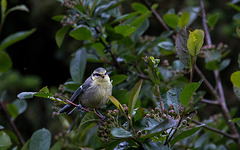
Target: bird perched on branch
{"x": 92, "y": 94}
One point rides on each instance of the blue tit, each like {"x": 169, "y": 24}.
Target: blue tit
{"x": 93, "y": 93}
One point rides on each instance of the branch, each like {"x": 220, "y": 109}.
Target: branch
{"x": 13, "y": 125}
{"x": 212, "y": 102}
{"x": 214, "y": 130}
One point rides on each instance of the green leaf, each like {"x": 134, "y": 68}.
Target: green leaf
{"x": 235, "y": 79}
{"x": 237, "y": 121}
{"x": 140, "y": 8}
{"x": 25, "y": 95}
{"x": 71, "y": 86}
{"x": 195, "y": 41}
{"x": 145, "y": 124}
{"x": 181, "y": 47}
{"x": 25, "y": 146}
{"x": 187, "y": 93}
{"x": 151, "y": 145}
{"x": 5, "y": 141}
{"x": 124, "y": 30}
{"x": 236, "y": 7}
{"x": 133, "y": 97}
{"x": 60, "y": 35}
{"x": 1, "y": 127}
{"x": 118, "y": 105}
{"x": 224, "y": 64}
{"x": 4, "y": 7}
{"x": 138, "y": 22}
{"x": 120, "y": 133}
{"x": 99, "y": 47}
{"x": 44, "y": 92}
{"x": 185, "y": 134}
{"x": 212, "y": 65}
{"x": 184, "y": 19}
{"x": 118, "y": 79}
{"x": 58, "y": 18}
{"x": 171, "y": 20}
{"x": 57, "y": 146}
{"x": 81, "y": 33}
{"x": 12, "y": 110}
{"x": 166, "y": 124}
{"x": 40, "y": 140}
{"x": 88, "y": 119}
{"x": 21, "y": 105}
{"x": 5, "y": 61}
{"x": 212, "y": 19}
{"x": 78, "y": 65}
{"x": 16, "y": 37}
{"x": 18, "y": 7}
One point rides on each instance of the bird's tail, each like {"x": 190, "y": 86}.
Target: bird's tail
{"x": 68, "y": 109}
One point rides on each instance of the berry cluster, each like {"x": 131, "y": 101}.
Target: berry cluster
{"x": 106, "y": 125}
{"x": 68, "y": 20}
{"x": 70, "y": 4}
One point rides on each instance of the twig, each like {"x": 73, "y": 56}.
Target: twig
{"x": 159, "y": 96}
{"x": 221, "y": 97}
{"x": 13, "y": 125}
{"x": 214, "y": 130}
{"x": 212, "y": 102}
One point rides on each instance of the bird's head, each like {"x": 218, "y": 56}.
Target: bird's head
{"x": 100, "y": 75}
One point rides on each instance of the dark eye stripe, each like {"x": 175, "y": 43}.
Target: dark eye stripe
{"x": 97, "y": 74}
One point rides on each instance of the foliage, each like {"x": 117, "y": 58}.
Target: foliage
{"x": 154, "y": 105}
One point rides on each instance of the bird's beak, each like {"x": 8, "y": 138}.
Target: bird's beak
{"x": 103, "y": 76}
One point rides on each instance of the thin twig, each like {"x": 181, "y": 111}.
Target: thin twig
{"x": 214, "y": 130}
{"x": 159, "y": 97}
{"x": 212, "y": 102}
{"x": 13, "y": 125}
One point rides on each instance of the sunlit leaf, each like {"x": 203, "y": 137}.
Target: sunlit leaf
{"x": 184, "y": 19}
{"x": 5, "y": 61}
{"x": 133, "y": 97}
{"x": 120, "y": 133}
{"x": 16, "y": 37}
{"x": 25, "y": 95}
{"x": 187, "y": 93}
{"x": 40, "y": 140}
{"x": 118, "y": 105}
{"x": 140, "y": 8}
{"x": 58, "y": 18}
{"x": 195, "y": 41}
{"x": 78, "y": 65}
{"x": 171, "y": 20}
{"x": 3, "y": 7}
{"x": 60, "y": 35}
{"x": 124, "y": 30}
{"x": 212, "y": 19}
{"x": 118, "y": 79}
{"x": 235, "y": 79}
{"x": 185, "y": 134}
{"x": 5, "y": 141}
{"x": 81, "y": 33}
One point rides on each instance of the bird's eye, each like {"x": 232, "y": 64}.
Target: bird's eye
{"x": 96, "y": 75}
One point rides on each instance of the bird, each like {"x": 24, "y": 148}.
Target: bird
{"x": 92, "y": 94}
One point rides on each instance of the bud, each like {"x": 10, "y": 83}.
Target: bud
{"x": 147, "y": 115}
{"x": 157, "y": 109}
{"x": 151, "y": 111}
{"x": 112, "y": 118}
{"x": 184, "y": 122}
{"x": 189, "y": 119}
{"x": 124, "y": 105}
{"x": 171, "y": 107}
{"x": 165, "y": 111}
{"x": 164, "y": 116}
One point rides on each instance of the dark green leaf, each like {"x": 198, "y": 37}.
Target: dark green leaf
{"x": 118, "y": 79}
{"x": 237, "y": 121}
{"x": 78, "y": 65}
{"x": 57, "y": 146}
{"x": 195, "y": 41}
{"x": 145, "y": 124}
{"x": 140, "y": 30}
{"x": 60, "y": 35}
{"x": 139, "y": 114}
{"x": 88, "y": 119}
{"x": 25, "y": 146}
{"x": 138, "y": 22}
{"x": 40, "y": 140}
{"x": 25, "y": 95}
{"x": 5, "y": 141}
{"x": 114, "y": 145}
{"x": 236, "y": 7}
{"x": 184, "y": 19}
{"x": 12, "y": 110}
{"x": 212, "y": 19}
{"x": 71, "y": 86}
{"x": 235, "y": 79}
{"x": 5, "y": 61}
{"x": 21, "y": 105}
{"x": 185, "y": 134}
{"x": 181, "y": 47}
{"x": 133, "y": 97}
{"x": 171, "y": 20}
{"x": 187, "y": 93}
{"x": 149, "y": 45}
{"x": 58, "y": 18}
{"x": 124, "y": 30}
{"x": 166, "y": 124}
{"x": 16, "y": 37}
{"x": 212, "y": 65}
{"x": 113, "y": 5}
{"x": 140, "y": 8}
{"x": 120, "y": 133}
{"x": 224, "y": 64}
{"x": 151, "y": 145}
{"x": 81, "y": 33}
{"x": 238, "y": 33}
{"x": 18, "y": 7}
{"x": 99, "y": 47}
{"x": 125, "y": 17}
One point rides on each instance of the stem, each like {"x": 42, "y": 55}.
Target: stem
{"x": 13, "y": 125}
{"x": 160, "y": 100}
{"x": 220, "y": 97}
{"x": 212, "y": 102}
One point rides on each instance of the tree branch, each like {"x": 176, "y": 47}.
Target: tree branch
{"x": 212, "y": 102}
